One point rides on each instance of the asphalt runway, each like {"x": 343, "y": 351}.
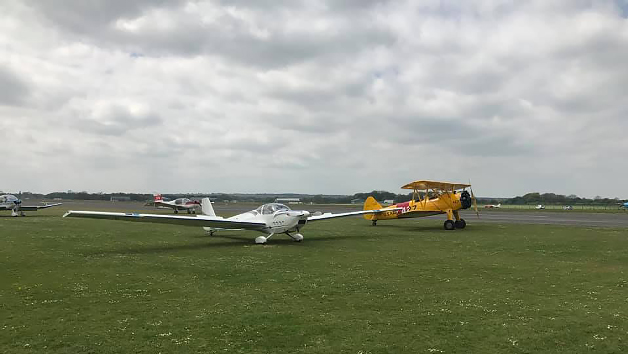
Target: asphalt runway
{"x": 514, "y": 217}
{"x": 551, "y": 218}
{"x": 574, "y": 218}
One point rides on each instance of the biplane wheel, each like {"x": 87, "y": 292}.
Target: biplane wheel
{"x": 460, "y": 224}
{"x": 176, "y": 211}
{"x": 449, "y": 225}
{"x": 374, "y": 223}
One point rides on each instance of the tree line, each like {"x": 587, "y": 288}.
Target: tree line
{"x": 529, "y": 198}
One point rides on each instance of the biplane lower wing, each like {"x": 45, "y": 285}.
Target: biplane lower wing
{"x": 351, "y": 213}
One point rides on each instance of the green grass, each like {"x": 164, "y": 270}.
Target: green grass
{"x": 92, "y": 286}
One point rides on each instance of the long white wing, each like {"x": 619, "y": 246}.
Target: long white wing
{"x": 199, "y": 221}
{"x": 351, "y": 213}
{"x": 37, "y": 207}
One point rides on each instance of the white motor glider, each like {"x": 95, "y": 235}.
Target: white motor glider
{"x": 272, "y": 218}
{"x": 13, "y": 203}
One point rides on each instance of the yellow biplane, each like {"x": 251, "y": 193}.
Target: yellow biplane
{"x": 428, "y": 198}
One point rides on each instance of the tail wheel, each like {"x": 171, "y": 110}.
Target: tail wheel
{"x": 449, "y": 225}
{"x": 460, "y": 224}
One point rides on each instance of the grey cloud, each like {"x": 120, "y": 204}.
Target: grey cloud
{"x": 356, "y": 5}
{"x": 309, "y": 123}
{"x": 265, "y": 5}
{"x": 323, "y": 98}
{"x": 93, "y": 16}
{"x": 314, "y": 95}
{"x": 227, "y": 36}
{"x": 13, "y": 90}
{"x": 117, "y": 121}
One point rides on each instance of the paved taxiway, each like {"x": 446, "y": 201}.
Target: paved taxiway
{"x": 502, "y": 216}
{"x": 552, "y": 218}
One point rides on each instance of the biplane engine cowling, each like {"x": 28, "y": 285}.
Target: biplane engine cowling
{"x": 465, "y": 200}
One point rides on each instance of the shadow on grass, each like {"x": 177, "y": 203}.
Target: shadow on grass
{"x": 29, "y": 215}
{"x": 234, "y": 241}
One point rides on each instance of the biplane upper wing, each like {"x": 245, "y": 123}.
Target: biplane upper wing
{"x": 444, "y": 186}
{"x": 201, "y": 220}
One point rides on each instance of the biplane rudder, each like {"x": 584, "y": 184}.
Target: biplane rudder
{"x": 371, "y": 204}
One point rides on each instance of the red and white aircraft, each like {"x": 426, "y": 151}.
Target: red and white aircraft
{"x": 179, "y": 204}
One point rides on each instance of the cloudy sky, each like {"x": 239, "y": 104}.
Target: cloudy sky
{"x": 314, "y": 96}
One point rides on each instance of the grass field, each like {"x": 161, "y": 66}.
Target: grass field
{"x": 92, "y": 286}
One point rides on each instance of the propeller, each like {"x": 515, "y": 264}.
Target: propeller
{"x": 475, "y": 201}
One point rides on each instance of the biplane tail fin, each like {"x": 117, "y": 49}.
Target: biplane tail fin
{"x": 371, "y": 204}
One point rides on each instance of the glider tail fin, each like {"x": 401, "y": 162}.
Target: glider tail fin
{"x": 371, "y": 204}
{"x": 207, "y": 208}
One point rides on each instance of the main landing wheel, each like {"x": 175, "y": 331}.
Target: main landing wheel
{"x": 449, "y": 225}
{"x": 460, "y": 224}
{"x": 374, "y": 223}
{"x": 176, "y": 211}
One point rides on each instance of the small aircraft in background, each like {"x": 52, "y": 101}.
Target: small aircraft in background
{"x": 623, "y": 206}
{"x": 272, "y": 218}
{"x": 13, "y": 203}
{"x": 493, "y": 206}
{"x": 437, "y": 198}
{"x": 179, "y": 204}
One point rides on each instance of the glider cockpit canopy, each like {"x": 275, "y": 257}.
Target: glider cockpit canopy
{"x": 271, "y": 208}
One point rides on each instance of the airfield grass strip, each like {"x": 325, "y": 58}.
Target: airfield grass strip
{"x": 93, "y": 286}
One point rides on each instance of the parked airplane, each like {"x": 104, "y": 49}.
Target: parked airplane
{"x": 13, "y": 203}
{"x": 438, "y": 198}
{"x": 272, "y": 218}
{"x": 493, "y": 206}
{"x": 178, "y": 204}
{"x": 625, "y": 205}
